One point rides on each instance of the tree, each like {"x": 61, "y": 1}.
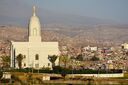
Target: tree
{"x": 1, "y": 74}
{"x": 94, "y": 58}
{"x": 19, "y": 59}
{"x": 64, "y": 60}
{"x": 52, "y": 59}
{"x": 6, "y": 61}
{"x": 79, "y": 57}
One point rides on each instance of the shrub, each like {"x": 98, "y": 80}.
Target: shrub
{"x": 1, "y": 74}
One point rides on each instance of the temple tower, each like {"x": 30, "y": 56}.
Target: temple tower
{"x": 34, "y": 28}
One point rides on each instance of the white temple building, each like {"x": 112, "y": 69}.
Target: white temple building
{"x": 35, "y": 53}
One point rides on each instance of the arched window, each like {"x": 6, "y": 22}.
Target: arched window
{"x": 34, "y": 31}
{"x": 48, "y": 64}
{"x": 36, "y": 57}
{"x": 24, "y": 64}
{"x": 24, "y": 56}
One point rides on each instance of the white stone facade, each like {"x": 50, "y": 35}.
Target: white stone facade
{"x": 34, "y": 47}
{"x": 125, "y": 46}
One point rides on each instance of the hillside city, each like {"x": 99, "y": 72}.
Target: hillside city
{"x": 59, "y": 42}
{"x": 86, "y": 57}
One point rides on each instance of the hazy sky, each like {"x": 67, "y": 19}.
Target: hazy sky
{"x": 116, "y": 10}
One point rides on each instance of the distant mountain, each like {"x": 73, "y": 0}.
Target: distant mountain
{"x": 57, "y": 19}
{"x": 20, "y": 14}
{"x": 14, "y": 33}
{"x": 98, "y": 35}
{"x": 51, "y": 19}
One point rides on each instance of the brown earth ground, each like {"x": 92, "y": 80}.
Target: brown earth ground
{"x": 36, "y": 79}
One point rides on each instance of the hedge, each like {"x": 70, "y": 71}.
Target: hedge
{"x": 60, "y": 70}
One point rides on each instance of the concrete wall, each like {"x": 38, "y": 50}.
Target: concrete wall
{"x": 98, "y": 75}
{"x": 6, "y": 75}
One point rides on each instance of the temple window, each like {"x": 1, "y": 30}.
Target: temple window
{"x": 36, "y": 57}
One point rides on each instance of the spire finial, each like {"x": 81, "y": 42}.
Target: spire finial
{"x": 34, "y": 11}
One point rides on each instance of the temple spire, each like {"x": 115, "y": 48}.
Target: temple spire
{"x": 34, "y": 10}
{"x": 34, "y": 27}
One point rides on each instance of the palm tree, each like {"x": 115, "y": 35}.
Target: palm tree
{"x": 6, "y": 61}
{"x": 52, "y": 59}
{"x": 19, "y": 59}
